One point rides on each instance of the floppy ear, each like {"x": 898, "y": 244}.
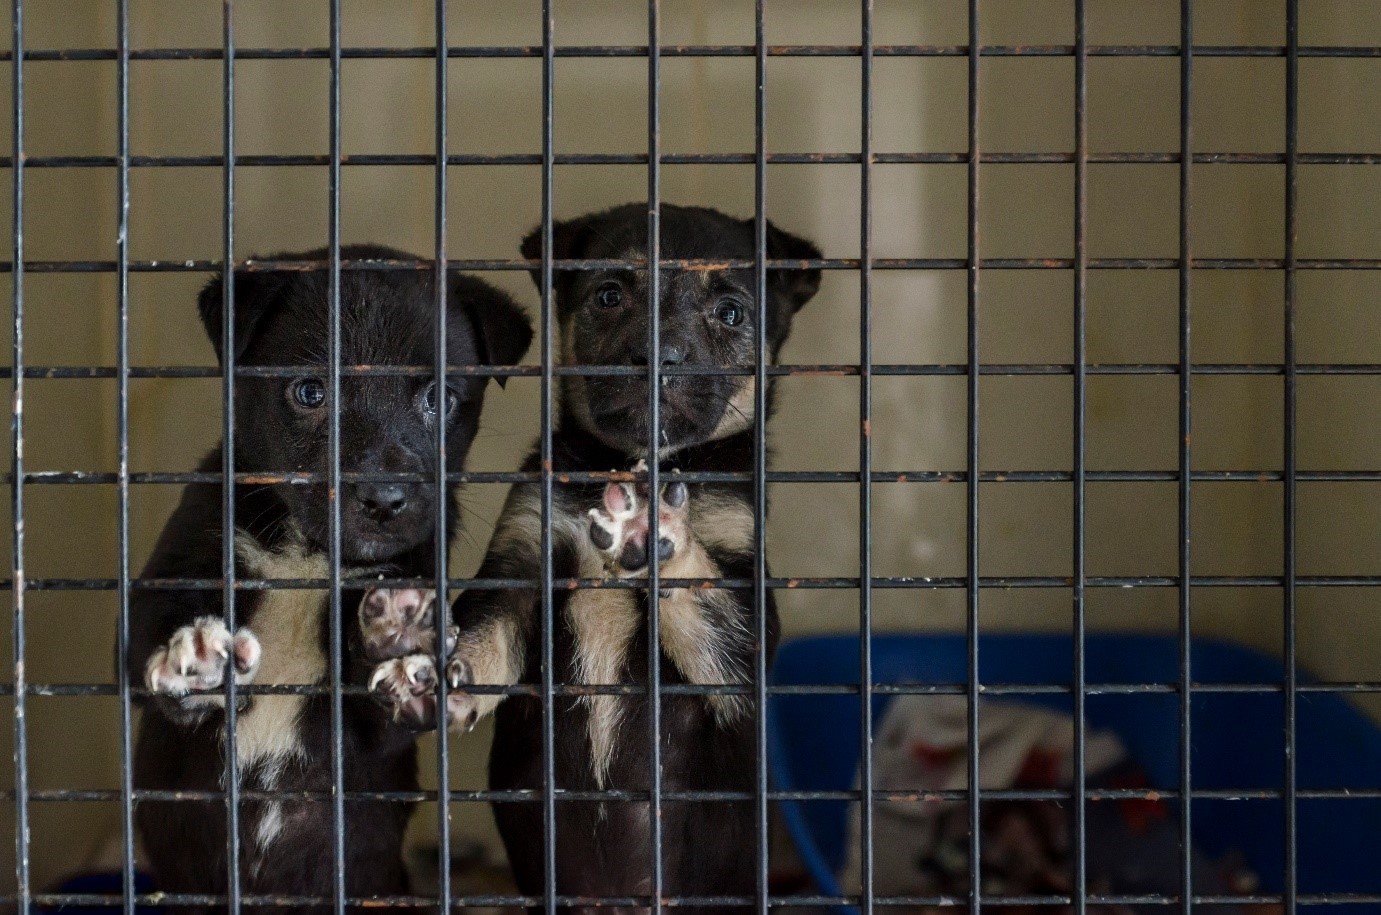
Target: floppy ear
{"x": 256, "y": 294}
{"x": 798, "y": 285}
{"x": 569, "y": 239}
{"x": 502, "y": 330}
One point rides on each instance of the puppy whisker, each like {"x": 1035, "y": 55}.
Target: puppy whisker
{"x": 729, "y": 404}
{"x": 464, "y": 531}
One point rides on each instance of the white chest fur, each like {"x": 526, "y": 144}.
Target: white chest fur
{"x": 287, "y": 622}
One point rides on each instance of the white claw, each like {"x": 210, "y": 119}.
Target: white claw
{"x": 415, "y": 663}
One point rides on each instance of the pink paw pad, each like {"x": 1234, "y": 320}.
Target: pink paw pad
{"x": 196, "y": 657}
{"x": 619, "y": 527}
{"x": 400, "y": 621}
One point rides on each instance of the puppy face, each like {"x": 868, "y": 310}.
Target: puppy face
{"x": 387, "y": 423}
{"x": 708, "y": 318}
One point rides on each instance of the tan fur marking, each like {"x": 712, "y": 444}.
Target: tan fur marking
{"x": 739, "y": 414}
{"x": 520, "y": 523}
{"x": 604, "y": 623}
{"x": 722, "y": 523}
{"x": 699, "y": 626}
{"x": 495, "y": 659}
{"x": 287, "y": 623}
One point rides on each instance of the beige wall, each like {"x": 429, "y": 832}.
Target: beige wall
{"x": 813, "y": 105}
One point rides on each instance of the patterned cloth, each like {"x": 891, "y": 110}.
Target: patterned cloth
{"x": 1027, "y": 847}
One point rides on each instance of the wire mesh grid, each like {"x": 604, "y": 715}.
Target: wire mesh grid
{"x": 973, "y": 583}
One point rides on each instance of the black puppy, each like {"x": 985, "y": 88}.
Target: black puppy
{"x": 179, "y": 648}
{"x": 708, "y": 636}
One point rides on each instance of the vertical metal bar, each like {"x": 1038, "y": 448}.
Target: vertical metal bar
{"x": 548, "y": 355}
{"x": 654, "y": 376}
{"x": 1186, "y": 381}
{"x": 759, "y": 439}
{"x": 333, "y": 483}
{"x": 1080, "y": 449}
{"x": 21, "y": 681}
{"x": 232, "y": 763}
{"x": 443, "y": 502}
{"x": 122, "y": 445}
{"x": 1291, "y": 493}
{"x": 865, "y": 460}
{"x": 971, "y": 531}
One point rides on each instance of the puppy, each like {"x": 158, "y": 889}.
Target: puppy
{"x": 180, "y": 651}
{"x": 600, "y": 637}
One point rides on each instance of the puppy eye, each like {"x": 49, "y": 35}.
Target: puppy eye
{"x": 308, "y": 392}
{"x": 429, "y": 400}
{"x": 729, "y": 313}
{"x": 609, "y": 295}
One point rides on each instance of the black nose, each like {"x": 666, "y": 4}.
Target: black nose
{"x": 672, "y": 354}
{"x": 381, "y": 501}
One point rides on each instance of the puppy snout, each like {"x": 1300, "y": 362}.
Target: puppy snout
{"x": 382, "y": 501}
{"x": 673, "y": 353}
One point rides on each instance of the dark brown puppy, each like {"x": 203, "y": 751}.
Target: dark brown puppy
{"x": 179, "y": 647}
{"x": 708, "y": 636}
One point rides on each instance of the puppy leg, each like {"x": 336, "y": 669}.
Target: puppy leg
{"x": 704, "y": 631}
{"x": 495, "y": 625}
{"x": 196, "y": 657}
{"x": 398, "y": 627}
{"x": 399, "y": 622}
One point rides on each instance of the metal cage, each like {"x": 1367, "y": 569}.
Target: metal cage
{"x": 973, "y": 583}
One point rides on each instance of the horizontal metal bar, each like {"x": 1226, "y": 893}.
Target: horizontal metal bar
{"x": 1003, "y": 369}
{"x": 602, "y": 51}
{"x": 298, "y": 160}
{"x": 803, "y": 583}
{"x": 51, "y": 690}
{"x": 837, "y": 263}
{"x": 959, "y": 902}
{"x": 106, "y": 795}
{"x": 180, "y": 478}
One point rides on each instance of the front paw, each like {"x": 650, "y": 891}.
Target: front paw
{"x": 400, "y": 621}
{"x": 196, "y": 657}
{"x": 406, "y": 686}
{"x": 619, "y": 527}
